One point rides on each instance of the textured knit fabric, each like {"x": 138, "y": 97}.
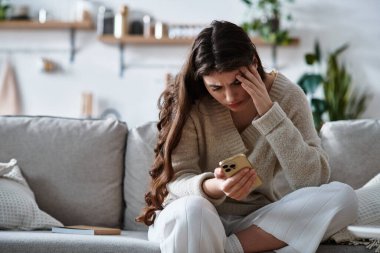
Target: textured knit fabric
{"x": 18, "y": 207}
{"x": 284, "y": 138}
{"x": 368, "y": 212}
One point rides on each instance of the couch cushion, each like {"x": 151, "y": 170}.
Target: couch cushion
{"x": 353, "y": 147}
{"x": 74, "y": 167}
{"x": 138, "y": 160}
{"x": 18, "y": 207}
{"x": 43, "y": 241}
{"x": 131, "y": 242}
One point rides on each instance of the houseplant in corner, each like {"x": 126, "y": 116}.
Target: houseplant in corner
{"x": 3, "y": 9}
{"x": 340, "y": 100}
{"x": 266, "y": 23}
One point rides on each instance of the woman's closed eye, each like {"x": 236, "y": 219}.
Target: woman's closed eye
{"x": 215, "y": 87}
{"x": 236, "y": 82}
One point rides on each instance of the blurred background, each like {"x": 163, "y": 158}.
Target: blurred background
{"x": 79, "y": 59}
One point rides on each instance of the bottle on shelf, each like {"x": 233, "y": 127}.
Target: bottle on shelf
{"x": 147, "y": 28}
{"x": 120, "y": 23}
{"x": 160, "y": 30}
{"x": 105, "y": 22}
{"x": 87, "y": 102}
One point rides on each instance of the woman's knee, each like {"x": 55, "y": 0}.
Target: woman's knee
{"x": 189, "y": 222}
{"x": 346, "y": 198}
{"x": 191, "y": 209}
{"x": 197, "y": 208}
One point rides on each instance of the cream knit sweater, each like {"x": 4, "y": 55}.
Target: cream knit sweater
{"x": 282, "y": 139}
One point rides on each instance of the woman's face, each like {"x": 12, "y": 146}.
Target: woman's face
{"x": 226, "y": 89}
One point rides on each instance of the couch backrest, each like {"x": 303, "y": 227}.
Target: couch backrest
{"x": 74, "y": 167}
{"x": 353, "y": 147}
{"x": 138, "y": 160}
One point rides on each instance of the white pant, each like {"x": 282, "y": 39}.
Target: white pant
{"x": 302, "y": 219}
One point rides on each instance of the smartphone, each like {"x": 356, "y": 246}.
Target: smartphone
{"x": 232, "y": 165}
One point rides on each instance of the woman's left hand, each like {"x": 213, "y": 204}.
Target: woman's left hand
{"x": 255, "y": 87}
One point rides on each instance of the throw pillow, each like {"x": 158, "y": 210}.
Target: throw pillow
{"x": 369, "y": 209}
{"x": 18, "y": 207}
{"x": 353, "y": 150}
{"x": 373, "y": 181}
{"x": 138, "y": 161}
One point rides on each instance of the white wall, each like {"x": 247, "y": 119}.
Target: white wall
{"x": 135, "y": 94}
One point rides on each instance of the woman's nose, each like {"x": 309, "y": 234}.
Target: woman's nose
{"x": 230, "y": 95}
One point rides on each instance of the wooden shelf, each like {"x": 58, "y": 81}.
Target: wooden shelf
{"x": 140, "y": 40}
{"x": 50, "y": 25}
{"x": 35, "y": 25}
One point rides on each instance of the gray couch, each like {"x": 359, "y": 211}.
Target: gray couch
{"x": 95, "y": 172}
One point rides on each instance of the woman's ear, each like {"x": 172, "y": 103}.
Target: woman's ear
{"x": 254, "y": 62}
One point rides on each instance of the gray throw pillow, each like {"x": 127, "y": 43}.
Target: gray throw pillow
{"x": 74, "y": 166}
{"x": 353, "y": 149}
{"x": 18, "y": 207}
{"x": 138, "y": 160}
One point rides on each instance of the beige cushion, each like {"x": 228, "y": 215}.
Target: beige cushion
{"x": 74, "y": 167}
{"x": 353, "y": 147}
{"x": 18, "y": 207}
{"x": 138, "y": 161}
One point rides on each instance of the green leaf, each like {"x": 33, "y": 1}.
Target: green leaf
{"x": 310, "y": 82}
{"x": 340, "y": 50}
{"x": 317, "y": 51}
{"x": 247, "y": 2}
{"x": 310, "y": 58}
{"x": 318, "y": 107}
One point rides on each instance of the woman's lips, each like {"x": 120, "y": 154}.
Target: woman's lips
{"x": 234, "y": 105}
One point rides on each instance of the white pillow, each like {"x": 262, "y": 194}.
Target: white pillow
{"x": 374, "y": 181}
{"x": 18, "y": 207}
{"x": 369, "y": 209}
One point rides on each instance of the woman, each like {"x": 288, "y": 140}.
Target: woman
{"x": 221, "y": 104}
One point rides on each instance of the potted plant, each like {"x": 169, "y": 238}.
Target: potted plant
{"x": 266, "y": 23}
{"x": 3, "y": 9}
{"x": 340, "y": 100}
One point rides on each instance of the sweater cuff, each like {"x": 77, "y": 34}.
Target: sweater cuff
{"x": 199, "y": 189}
{"x": 267, "y": 122}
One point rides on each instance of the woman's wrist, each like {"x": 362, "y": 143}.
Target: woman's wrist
{"x": 211, "y": 187}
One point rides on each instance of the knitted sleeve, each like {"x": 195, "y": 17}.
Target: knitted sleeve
{"x": 188, "y": 176}
{"x": 290, "y": 131}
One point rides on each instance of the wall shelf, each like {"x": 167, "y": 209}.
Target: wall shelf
{"x": 85, "y": 25}
{"x": 50, "y": 25}
{"x": 140, "y": 40}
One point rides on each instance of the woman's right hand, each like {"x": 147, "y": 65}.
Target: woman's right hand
{"x": 239, "y": 185}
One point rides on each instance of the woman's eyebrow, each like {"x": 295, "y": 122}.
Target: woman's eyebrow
{"x": 218, "y": 85}
{"x": 213, "y": 84}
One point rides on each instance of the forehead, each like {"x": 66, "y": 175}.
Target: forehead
{"x": 221, "y": 78}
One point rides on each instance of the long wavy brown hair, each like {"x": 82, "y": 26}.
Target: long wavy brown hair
{"x": 220, "y": 47}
